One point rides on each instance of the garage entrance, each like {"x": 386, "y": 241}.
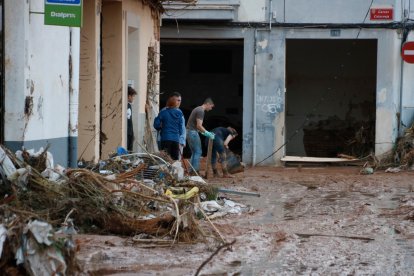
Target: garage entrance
{"x": 330, "y": 97}
{"x": 206, "y": 68}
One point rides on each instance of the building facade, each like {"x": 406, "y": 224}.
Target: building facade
{"x": 295, "y": 78}
{"x": 66, "y": 87}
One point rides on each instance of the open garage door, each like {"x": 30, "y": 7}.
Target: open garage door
{"x": 330, "y": 97}
{"x": 206, "y": 68}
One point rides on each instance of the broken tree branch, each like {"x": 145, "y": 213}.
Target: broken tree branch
{"x": 226, "y": 245}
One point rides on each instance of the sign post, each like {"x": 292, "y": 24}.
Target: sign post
{"x": 63, "y": 12}
{"x": 407, "y": 52}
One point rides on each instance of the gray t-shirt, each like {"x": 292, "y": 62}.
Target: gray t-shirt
{"x": 197, "y": 113}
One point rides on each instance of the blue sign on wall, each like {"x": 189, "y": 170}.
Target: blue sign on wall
{"x": 64, "y": 2}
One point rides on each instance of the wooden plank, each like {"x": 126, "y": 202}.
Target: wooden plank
{"x": 208, "y": 162}
{"x": 316, "y": 159}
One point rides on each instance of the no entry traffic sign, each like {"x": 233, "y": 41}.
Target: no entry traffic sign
{"x": 407, "y": 52}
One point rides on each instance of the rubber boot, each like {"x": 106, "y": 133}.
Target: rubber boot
{"x": 225, "y": 171}
{"x": 215, "y": 173}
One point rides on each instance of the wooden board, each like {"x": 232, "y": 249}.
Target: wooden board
{"x": 316, "y": 159}
{"x": 208, "y": 161}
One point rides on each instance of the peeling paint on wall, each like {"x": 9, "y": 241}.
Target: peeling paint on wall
{"x": 28, "y": 106}
{"x": 248, "y": 138}
{"x": 263, "y": 44}
{"x": 40, "y": 108}
{"x": 382, "y": 96}
{"x": 31, "y": 87}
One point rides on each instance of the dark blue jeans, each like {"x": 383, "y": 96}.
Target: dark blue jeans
{"x": 194, "y": 142}
{"x": 218, "y": 147}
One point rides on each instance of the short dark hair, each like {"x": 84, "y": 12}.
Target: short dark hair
{"x": 131, "y": 91}
{"x": 208, "y": 101}
{"x": 232, "y": 131}
{"x": 174, "y": 94}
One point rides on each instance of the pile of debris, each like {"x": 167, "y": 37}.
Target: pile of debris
{"x": 133, "y": 194}
{"x": 400, "y": 158}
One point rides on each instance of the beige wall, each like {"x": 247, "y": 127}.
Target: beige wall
{"x": 124, "y": 58}
{"x": 89, "y": 83}
{"x": 113, "y": 78}
{"x": 149, "y": 35}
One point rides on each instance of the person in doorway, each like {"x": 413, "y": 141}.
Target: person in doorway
{"x": 195, "y": 126}
{"x": 170, "y": 123}
{"x": 130, "y": 130}
{"x": 222, "y": 138}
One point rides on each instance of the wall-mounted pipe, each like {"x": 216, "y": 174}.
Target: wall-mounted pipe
{"x": 74, "y": 47}
{"x": 404, "y": 35}
{"x": 254, "y": 99}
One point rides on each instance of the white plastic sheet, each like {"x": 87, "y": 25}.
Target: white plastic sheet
{"x": 3, "y": 236}
{"x": 6, "y": 164}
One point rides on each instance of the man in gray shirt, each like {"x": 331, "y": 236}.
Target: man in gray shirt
{"x": 194, "y": 126}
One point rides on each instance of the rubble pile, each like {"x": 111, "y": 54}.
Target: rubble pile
{"x": 135, "y": 194}
{"x": 401, "y": 157}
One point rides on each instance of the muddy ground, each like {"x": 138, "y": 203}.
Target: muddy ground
{"x": 308, "y": 221}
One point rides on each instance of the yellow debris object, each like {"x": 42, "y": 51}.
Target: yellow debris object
{"x": 187, "y": 195}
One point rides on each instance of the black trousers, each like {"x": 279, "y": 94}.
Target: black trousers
{"x": 130, "y": 142}
{"x": 172, "y": 148}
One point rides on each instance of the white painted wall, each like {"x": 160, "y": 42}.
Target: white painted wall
{"x": 49, "y": 78}
{"x": 37, "y": 67}
{"x": 411, "y": 9}
{"x": 16, "y": 67}
{"x": 316, "y": 11}
{"x": 333, "y": 11}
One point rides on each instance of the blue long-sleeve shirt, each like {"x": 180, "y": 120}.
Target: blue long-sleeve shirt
{"x": 170, "y": 121}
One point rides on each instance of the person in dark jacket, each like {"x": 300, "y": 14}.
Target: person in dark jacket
{"x": 169, "y": 122}
{"x": 130, "y": 130}
{"x": 222, "y": 138}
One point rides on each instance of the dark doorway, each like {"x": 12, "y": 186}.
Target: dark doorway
{"x": 206, "y": 68}
{"x": 330, "y": 97}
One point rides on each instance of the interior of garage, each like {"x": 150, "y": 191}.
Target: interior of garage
{"x": 330, "y": 97}
{"x": 199, "y": 69}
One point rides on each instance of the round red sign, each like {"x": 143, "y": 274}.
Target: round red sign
{"x": 407, "y": 52}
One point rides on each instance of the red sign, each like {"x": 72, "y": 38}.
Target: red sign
{"x": 381, "y": 14}
{"x": 407, "y": 52}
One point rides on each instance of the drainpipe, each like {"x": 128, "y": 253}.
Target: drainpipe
{"x": 255, "y": 80}
{"x": 74, "y": 46}
{"x": 404, "y": 35}
{"x": 254, "y": 98}
{"x": 401, "y": 100}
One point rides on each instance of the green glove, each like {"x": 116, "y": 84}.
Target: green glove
{"x": 209, "y": 134}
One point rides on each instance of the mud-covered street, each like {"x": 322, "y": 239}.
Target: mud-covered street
{"x": 308, "y": 221}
